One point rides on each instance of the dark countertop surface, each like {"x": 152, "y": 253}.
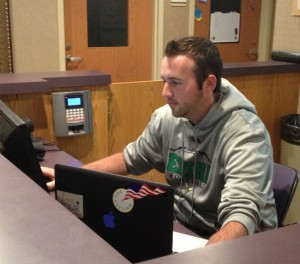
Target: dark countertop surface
{"x": 259, "y": 67}
{"x": 16, "y": 83}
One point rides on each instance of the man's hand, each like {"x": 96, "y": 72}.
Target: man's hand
{"x": 49, "y": 172}
{"x": 230, "y": 231}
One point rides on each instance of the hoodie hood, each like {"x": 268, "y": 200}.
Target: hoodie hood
{"x": 230, "y": 99}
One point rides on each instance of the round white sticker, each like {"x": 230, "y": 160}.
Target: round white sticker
{"x": 124, "y": 206}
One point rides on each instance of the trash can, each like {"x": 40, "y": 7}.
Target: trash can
{"x": 290, "y": 156}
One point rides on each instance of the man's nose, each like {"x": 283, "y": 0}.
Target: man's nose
{"x": 166, "y": 92}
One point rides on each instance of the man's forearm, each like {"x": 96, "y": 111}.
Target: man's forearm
{"x": 112, "y": 164}
{"x": 230, "y": 231}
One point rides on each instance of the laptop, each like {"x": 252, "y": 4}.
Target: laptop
{"x": 134, "y": 216}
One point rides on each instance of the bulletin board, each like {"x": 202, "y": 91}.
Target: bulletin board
{"x": 296, "y": 8}
{"x": 225, "y": 21}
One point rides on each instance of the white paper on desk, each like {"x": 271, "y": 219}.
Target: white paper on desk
{"x": 183, "y": 242}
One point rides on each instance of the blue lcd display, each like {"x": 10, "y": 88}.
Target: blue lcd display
{"x": 73, "y": 101}
{"x": 76, "y": 101}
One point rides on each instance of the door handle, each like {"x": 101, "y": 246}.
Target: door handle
{"x": 70, "y": 58}
{"x": 253, "y": 52}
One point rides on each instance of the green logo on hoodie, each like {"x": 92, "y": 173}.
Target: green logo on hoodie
{"x": 186, "y": 168}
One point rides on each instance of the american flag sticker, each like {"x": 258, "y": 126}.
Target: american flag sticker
{"x": 136, "y": 191}
{"x": 124, "y": 199}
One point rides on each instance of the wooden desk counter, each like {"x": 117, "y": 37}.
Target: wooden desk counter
{"x": 259, "y": 68}
{"x": 41, "y": 82}
{"x": 35, "y": 228}
{"x": 53, "y": 157}
{"x": 277, "y": 246}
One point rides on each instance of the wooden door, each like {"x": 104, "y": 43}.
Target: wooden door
{"x": 244, "y": 50}
{"x": 127, "y": 63}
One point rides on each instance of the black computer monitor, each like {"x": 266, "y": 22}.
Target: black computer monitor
{"x": 17, "y": 145}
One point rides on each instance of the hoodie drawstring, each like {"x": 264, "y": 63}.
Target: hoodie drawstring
{"x": 183, "y": 171}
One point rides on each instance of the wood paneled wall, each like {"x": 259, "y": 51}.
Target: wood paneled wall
{"x": 131, "y": 106}
{"x": 274, "y": 95}
{"x": 38, "y": 107}
{"x": 122, "y": 110}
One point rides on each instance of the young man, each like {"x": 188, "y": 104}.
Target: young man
{"x": 208, "y": 140}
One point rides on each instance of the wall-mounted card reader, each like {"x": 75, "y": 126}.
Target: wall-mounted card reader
{"x": 72, "y": 112}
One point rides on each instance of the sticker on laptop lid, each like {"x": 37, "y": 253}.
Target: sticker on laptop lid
{"x": 124, "y": 199}
{"x": 73, "y": 202}
{"x": 124, "y": 206}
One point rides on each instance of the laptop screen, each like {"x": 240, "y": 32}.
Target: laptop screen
{"x": 132, "y": 215}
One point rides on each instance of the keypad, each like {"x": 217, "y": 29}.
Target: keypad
{"x": 74, "y": 115}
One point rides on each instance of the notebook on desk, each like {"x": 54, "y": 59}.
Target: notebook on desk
{"x": 132, "y": 215}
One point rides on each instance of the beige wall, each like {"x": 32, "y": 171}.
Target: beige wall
{"x": 169, "y": 22}
{"x": 37, "y": 35}
{"x": 266, "y": 30}
{"x": 286, "y": 27}
{"x": 176, "y": 21}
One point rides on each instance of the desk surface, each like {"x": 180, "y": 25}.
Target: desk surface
{"x": 37, "y": 229}
{"x": 277, "y": 246}
{"x": 55, "y": 156}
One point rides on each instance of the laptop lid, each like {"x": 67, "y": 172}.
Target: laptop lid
{"x": 132, "y": 215}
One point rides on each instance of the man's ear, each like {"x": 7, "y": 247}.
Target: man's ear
{"x": 210, "y": 83}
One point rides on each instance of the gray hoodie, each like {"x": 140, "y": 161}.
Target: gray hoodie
{"x": 220, "y": 169}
